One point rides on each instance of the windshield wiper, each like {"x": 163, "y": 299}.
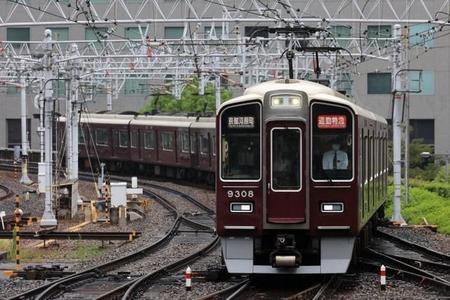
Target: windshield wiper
{"x": 330, "y": 180}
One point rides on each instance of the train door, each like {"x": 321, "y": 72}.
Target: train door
{"x": 286, "y": 199}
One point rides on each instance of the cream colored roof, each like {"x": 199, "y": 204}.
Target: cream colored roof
{"x": 313, "y": 90}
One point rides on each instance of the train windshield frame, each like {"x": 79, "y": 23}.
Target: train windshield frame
{"x": 240, "y": 142}
{"x": 332, "y": 143}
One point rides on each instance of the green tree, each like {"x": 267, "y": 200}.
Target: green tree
{"x": 190, "y": 100}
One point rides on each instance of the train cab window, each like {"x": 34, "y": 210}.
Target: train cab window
{"x": 101, "y": 137}
{"x": 134, "y": 138}
{"x": 167, "y": 141}
{"x": 123, "y": 139}
{"x": 184, "y": 137}
{"x": 149, "y": 139}
{"x": 204, "y": 144}
{"x": 240, "y": 147}
{"x": 285, "y": 165}
{"x": 332, "y": 142}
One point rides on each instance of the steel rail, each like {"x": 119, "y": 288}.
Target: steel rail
{"x": 225, "y": 291}
{"x": 441, "y": 256}
{"x": 374, "y": 266}
{"x": 6, "y": 190}
{"x": 50, "y": 289}
{"x": 132, "y": 288}
{"x": 323, "y": 288}
{"x": 405, "y": 266}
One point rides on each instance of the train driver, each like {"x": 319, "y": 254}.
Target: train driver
{"x": 335, "y": 159}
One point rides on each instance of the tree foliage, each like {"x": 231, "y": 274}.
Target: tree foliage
{"x": 190, "y": 101}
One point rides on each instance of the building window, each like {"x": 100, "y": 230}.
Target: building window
{"x": 101, "y": 137}
{"x": 380, "y": 32}
{"x": 60, "y": 34}
{"x": 173, "y": 32}
{"x": 149, "y": 140}
{"x": 204, "y": 144}
{"x": 167, "y": 141}
{"x": 217, "y": 31}
{"x": 18, "y": 34}
{"x": 123, "y": 139}
{"x": 97, "y": 34}
{"x": 81, "y": 136}
{"x": 420, "y": 35}
{"x": 132, "y": 33}
{"x": 344, "y": 84}
{"x": 424, "y": 83}
{"x": 184, "y": 142}
{"x": 422, "y": 129}
{"x": 341, "y": 33}
{"x": 135, "y": 86}
{"x": 15, "y": 132}
{"x": 379, "y": 83}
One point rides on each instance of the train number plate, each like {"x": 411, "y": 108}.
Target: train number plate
{"x": 240, "y": 193}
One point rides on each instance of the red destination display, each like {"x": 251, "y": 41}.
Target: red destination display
{"x": 332, "y": 121}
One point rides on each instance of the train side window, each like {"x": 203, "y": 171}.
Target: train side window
{"x": 123, "y": 139}
{"x": 101, "y": 137}
{"x": 193, "y": 144}
{"x": 204, "y": 144}
{"x": 167, "y": 141}
{"x": 149, "y": 139}
{"x": 332, "y": 142}
{"x": 81, "y": 136}
{"x": 184, "y": 142}
{"x": 134, "y": 138}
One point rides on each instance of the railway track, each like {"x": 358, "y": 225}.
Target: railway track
{"x": 61, "y": 286}
{"x": 407, "y": 259}
{"x": 5, "y": 192}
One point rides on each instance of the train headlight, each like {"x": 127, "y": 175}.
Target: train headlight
{"x": 285, "y": 101}
{"x": 241, "y": 207}
{"x": 332, "y": 207}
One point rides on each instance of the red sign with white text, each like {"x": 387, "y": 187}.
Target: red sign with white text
{"x": 332, "y": 121}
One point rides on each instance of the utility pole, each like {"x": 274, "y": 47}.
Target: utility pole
{"x": 218, "y": 95}
{"x": 72, "y": 108}
{"x": 23, "y": 115}
{"x": 398, "y": 83}
{"x": 48, "y": 218}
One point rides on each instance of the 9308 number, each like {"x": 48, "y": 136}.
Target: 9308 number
{"x": 240, "y": 194}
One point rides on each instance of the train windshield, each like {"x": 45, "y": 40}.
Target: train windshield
{"x": 332, "y": 142}
{"x": 240, "y": 142}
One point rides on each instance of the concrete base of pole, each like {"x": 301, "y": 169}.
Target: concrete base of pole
{"x": 398, "y": 220}
{"x": 48, "y": 219}
{"x": 25, "y": 179}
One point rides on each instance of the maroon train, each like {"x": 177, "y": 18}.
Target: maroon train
{"x": 302, "y": 171}
{"x": 302, "y": 174}
{"x": 171, "y": 146}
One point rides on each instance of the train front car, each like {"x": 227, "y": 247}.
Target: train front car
{"x": 287, "y": 193}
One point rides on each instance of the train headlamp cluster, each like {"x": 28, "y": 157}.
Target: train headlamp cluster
{"x": 286, "y": 101}
{"x": 332, "y": 207}
{"x": 241, "y": 207}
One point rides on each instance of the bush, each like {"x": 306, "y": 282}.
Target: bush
{"x": 423, "y": 204}
{"x": 440, "y": 188}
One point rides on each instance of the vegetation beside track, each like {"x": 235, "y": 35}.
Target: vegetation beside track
{"x": 427, "y": 199}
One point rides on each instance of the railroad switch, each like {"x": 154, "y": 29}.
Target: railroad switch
{"x": 39, "y": 272}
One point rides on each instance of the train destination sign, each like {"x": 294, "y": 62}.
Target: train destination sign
{"x": 241, "y": 122}
{"x": 332, "y": 121}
